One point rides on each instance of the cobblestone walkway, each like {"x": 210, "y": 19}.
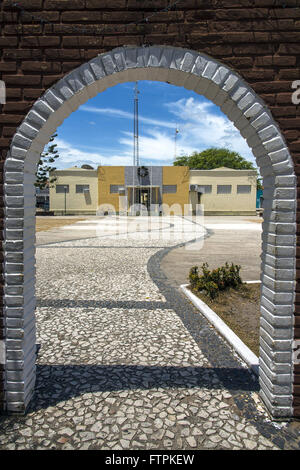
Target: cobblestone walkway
{"x": 127, "y": 363}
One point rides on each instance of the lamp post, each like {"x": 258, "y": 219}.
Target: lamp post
{"x": 65, "y": 189}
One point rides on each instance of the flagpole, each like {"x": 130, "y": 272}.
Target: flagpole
{"x": 175, "y": 142}
{"x": 135, "y": 144}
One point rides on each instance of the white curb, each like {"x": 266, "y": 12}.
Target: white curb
{"x": 243, "y": 351}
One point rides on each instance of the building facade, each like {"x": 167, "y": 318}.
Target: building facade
{"x": 75, "y": 192}
{"x": 153, "y": 189}
{"x": 144, "y": 189}
{"x": 224, "y": 191}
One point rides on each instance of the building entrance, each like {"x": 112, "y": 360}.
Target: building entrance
{"x": 145, "y": 196}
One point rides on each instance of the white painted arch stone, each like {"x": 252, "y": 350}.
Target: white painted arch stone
{"x": 224, "y": 87}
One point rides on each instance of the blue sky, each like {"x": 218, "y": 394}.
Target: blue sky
{"x": 100, "y": 132}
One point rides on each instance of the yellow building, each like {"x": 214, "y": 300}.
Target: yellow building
{"x": 224, "y": 191}
{"x": 74, "y": 192}
{"x": 153, "y": 189}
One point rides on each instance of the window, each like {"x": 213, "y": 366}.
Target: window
{"x": 82, "y": 188}
{"x": 115, "y": 188}
{"x": 244, "y": 188}
{"x": 206, "y": 188}
{"x": 62, "y": 188}
{"x": 169, "y": 188}
{"x": 224, "y": 189}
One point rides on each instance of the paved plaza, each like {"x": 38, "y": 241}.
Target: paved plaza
{"x": 125, "y": 360}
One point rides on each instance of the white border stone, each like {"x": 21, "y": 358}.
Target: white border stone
{"x": 238, "y": 345}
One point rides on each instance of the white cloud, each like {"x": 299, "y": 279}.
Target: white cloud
{"x": 70, "y": 155}
{"x": 155, "y": 146}
{"x": 200, "y": 126}
{"x": 119, "y": 113}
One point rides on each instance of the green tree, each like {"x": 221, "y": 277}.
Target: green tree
{"x": 215, "y": 158}
{"x": 45, "y": 165}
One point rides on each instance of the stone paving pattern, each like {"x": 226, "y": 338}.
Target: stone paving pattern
{"x": 126, "y": 362}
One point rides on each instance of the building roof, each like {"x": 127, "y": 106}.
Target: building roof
{"x": 226, "y": 169}
{"x": 74, "y": 169}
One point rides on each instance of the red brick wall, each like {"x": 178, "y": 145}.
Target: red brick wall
{"x": 260, "y": 39}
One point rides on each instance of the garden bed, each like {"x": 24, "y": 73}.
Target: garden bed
{"x": 240, "y": 310}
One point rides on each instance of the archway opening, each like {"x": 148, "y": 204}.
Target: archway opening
{"x": 248, "y": 113}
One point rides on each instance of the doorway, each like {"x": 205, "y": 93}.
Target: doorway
{"x": 145, "y": 196}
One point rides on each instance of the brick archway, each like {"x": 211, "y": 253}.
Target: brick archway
{"x": 204, "y": 75}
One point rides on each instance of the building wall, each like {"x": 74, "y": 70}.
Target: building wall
{"x": 178, "y": 175}
{"x": 100, "y": 182}
{"x": 76, "y": 203}
{"x": 233, "y": 203}
{"x": 159, "y": 176}
{"x": 108, "y": 175}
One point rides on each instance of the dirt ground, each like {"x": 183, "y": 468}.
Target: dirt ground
{"x": 239, "y": 309}
{"x": 258, "y": 221}
{"x": 47, "y": 223}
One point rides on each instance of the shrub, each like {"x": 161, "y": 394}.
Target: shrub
{"x": 212, "y": 282}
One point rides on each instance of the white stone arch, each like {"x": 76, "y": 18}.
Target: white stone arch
{"x": 224, "y": 87}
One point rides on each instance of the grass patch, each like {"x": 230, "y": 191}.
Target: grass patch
{"x": 239, "y": 308}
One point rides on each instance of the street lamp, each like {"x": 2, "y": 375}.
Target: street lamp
{"x": 65, "y": 190}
